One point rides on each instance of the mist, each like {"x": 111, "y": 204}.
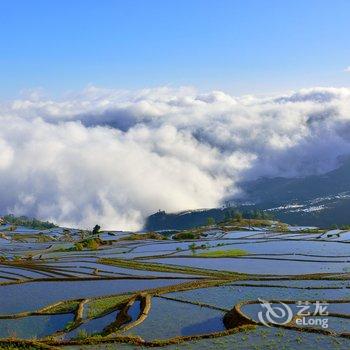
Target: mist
{"x": 113, "y": 157}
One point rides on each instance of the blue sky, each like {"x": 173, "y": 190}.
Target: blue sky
{"x": 237, "y": 46}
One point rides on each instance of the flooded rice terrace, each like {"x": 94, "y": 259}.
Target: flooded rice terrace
{"x": 222, "y": 286}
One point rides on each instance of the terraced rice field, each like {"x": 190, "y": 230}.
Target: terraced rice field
{"x": 199, "y": 294}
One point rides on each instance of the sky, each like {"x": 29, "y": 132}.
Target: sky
{"x": 242, "y": 46}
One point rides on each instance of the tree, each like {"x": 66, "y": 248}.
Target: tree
{"x": 238, "y": 216}
{"x": 96, "y": 229}
{"x": 210, "y": 221}
{"x": 228, "y": 215}
{"x": 192, "y": 247}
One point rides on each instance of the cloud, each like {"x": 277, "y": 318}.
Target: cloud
{"x": 113, "y": 157}
{"x": 347, "y": 69}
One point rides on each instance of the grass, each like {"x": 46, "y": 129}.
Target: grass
{"x": 98, "y": 307}
{"x": 312, "y": 230}
{"x": 140, "y": 265}
{"x": 139, "y": 237}
{"x": 223, "y": 253}
{"x": 63, "y": 307}
{"x": 85, "y": 244}
{"x": 186, "y": 235}
{"x": 15, "y": 344}
{"x": 280, "y": 227}
{"x": 40, "y": 238}
{"x": 82, "y": 334}
{"x": 249, "y": 222}
{"x": 69, "y": 325}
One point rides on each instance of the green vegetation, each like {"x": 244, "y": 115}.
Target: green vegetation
{"x": 141, "y": 265}
{"x": 237, "y": 215}
{"x": 24, "y": 345}
{"x": 63, "y": 307}
{"x": 69, "y": 325}
{"x": 210, "y": 221}
{"x": 89, "y": 243}
{"x": 101, "y": 306}
{"x": 82, "y": 334}
{"x": 193, "y": 246}
{"x": 312, "y": 230}
{"x": 235, "y": 222}
{"x": 245, "y": 223}
{"x": 223, "y": 253}
{"x": 3, "y": 258}
{"x": 280, "y": 227}
{"x": 96, "y": 229}
{"x": 78, "y": 246}
{"x": 39, "y": 238}
{"x": 28, "y": 222}
{"x": 148, "y": 235}
{"x": 186, "y": 235}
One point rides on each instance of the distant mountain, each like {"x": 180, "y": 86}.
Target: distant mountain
{"x": 183, "y": 220}
{"x": 321, "y": 200}
{"x": 278, "y": 191}
{"x": 26, "y": 222}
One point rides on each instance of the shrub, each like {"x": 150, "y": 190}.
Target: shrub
{"x": 78, "y": 246}
{"x": 92, "y": 244}
{"x": 185, "y": 235}
{"x": 210, "y": 221}
{"x": 82, "y": 334}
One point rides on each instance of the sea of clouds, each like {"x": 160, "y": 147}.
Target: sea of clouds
{"x": 113, "y": 157}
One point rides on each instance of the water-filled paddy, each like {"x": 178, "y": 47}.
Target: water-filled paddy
{"x": 99, "y": 269}
{"x": 33, "y": 295}
{"x": 336, "y": 324}
{"x": 169, "y": 318}
{"x": 93, "y": 326}
{"x": 227, "y": 296}
{"x": 239, "y": 234}
{"x": 22, "y": 272}
{"x": 279, "y": 246}
{"x": 34, "y": 326}
{"x": 198, "y": 310}
{"x": 298, "y": 283}
{"x": 256, "y": 266}
{"x": 260, "y": 338}
{"x": 325, "y": 321}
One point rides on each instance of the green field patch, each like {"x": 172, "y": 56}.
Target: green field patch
{"x": 61, "y": 307}
{"x": 143, "y": 236}
{"x": 101, "y": 306}
{"x": 141, "y": 265}
{"x": 223, "y": 253}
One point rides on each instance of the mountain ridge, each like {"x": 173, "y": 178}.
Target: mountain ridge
{"x": 321, "y": 200}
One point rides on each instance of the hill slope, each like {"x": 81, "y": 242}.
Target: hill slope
{"x": 321, "y": 200}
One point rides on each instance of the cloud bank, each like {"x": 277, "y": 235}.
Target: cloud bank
{"x": 114, "y": 157}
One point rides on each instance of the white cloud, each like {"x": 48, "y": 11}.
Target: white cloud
{"x": 347, "y": 69}
{"x": 113, "y": 157}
